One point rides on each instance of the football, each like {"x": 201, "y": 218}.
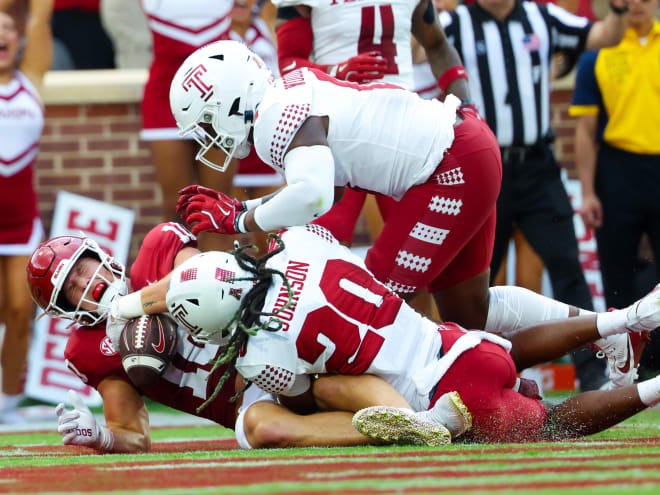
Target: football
{"x": 146, "y": 347}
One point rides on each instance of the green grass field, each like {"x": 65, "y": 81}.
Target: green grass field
{"x": 205, "y": 459}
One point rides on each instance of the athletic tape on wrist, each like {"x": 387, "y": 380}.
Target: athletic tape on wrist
{"x": 130, "y": 306}
{"x": 251, "y": 204}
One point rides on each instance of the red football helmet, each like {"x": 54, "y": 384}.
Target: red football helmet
{"x": 50, "y": 265}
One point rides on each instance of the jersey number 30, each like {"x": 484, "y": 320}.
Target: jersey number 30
{"x": 357, "y": 297}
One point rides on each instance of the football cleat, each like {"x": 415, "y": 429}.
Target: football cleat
{"x": 623, "y": 352}
{"x": 400, "y": 426}
{"x": 450, "y": 412}
{"x": 644, "y": 315}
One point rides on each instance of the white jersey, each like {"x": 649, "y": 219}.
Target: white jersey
{"x": 21, "y": 123}
{"x": 344, "y": 28}
{"x": 343, "y": 320}
{"x": 383, "y": 138}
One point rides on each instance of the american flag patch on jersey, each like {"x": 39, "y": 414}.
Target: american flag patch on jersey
{"x": 224, "y": 275}
{"x": 189, "y": 274}
{"x": 531, "y": 42}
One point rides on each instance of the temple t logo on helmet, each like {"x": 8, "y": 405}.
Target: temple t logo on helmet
{"x": 205, "y": 293}
{"x": 214, "y": 96}
{"x": 194, "y": 80}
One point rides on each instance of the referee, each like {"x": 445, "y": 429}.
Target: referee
{"x": 507, "y": 47}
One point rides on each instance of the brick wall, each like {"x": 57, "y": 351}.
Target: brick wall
{"x": 93, "y": 149}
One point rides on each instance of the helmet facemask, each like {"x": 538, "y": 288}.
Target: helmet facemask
{"x": 214, "y": 96}
{"x": 100, "y": 292}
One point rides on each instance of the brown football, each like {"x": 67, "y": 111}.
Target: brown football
{"x": 146, "y": 347}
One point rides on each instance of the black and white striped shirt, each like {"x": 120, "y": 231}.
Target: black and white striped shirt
{"x": 508, "y": 63}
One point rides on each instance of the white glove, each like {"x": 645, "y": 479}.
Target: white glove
{"x": 78, "y": 426}
{"x": 115, "y": 324}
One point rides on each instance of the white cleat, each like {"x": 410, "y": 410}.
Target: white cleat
{"x": 623, "y": 352}
{"x": 400, "y": 426}
{"x": 450, "y": 411}
{"x": 644, "y": 315}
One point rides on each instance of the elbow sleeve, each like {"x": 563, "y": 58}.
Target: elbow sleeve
{"x": 309, "y": 193}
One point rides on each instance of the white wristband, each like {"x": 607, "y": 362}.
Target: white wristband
{"x": 611, "y": 323}
{"x": 130, "y": 306}
{"x": 251, "y": 204}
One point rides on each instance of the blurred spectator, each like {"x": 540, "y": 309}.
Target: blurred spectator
{"x": 21, "y": 124}
{"x": 126, "y": 25}
{"x": 617, "y": 101}
{"x": 80, "y": 40}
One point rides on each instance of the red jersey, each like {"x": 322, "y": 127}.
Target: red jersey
{"x": 183, "y": 385}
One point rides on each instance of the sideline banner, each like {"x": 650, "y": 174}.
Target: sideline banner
{"x": 48, "y": 377}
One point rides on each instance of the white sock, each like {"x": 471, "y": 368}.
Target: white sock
{"x": 611, "y": 323}
{"x": 649, "y": 391}
{"x": 10, "y": 402}
{"x": 512, "y": 308}
{"x": 445, "y": 412}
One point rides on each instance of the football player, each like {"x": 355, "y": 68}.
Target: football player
{"x": 442, "y": 165}
{"x": 315, "y": 309}
{"x": 73, "y": 278}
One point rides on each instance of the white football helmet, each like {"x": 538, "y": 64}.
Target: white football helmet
{"x": 217, "y": 88}
{"x": 204, "y": 295}
{"x": 50, "y": 265}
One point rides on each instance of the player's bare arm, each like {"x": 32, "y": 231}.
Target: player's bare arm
{"x": 150, "y": 299}
{"x": 440, "y": 53}
{"x": 126, "y": 415}
{"x": 609, "y": 30}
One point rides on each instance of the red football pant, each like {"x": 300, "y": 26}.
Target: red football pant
{"x": 441, "y": 232}
{"x": 484, "y": 377}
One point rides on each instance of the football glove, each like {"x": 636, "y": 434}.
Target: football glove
{"x": 78, "y": 426}
{"x": 187, "y": 193}
{"x": 220, "y": 215}
{"x": 364, "y": 67}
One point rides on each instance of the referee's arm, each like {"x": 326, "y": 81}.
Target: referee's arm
{"x": 609, "y": 30}
{"x": 440, "y": 54}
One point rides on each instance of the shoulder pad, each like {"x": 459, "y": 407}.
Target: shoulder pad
{"x": 284, "y": 109}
